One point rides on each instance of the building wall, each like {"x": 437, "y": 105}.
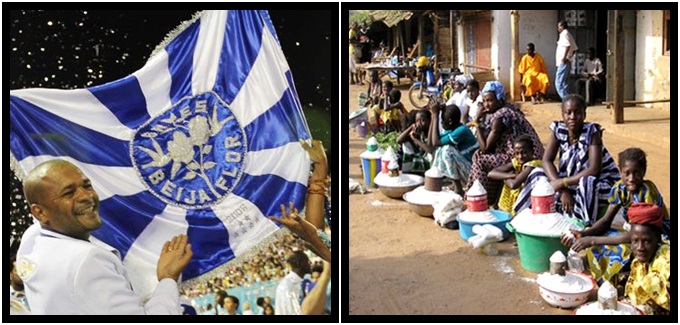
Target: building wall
{"x": 652, "y": 67}
{"x": 501, "y": 46}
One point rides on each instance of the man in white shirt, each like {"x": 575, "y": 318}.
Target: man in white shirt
{"x": 67, "y": 271}
{"x": 566, "y": 47}
{"x": 289, "y": 290}
{"x": 591, "y": 77}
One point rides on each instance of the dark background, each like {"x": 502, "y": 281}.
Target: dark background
{"x": 69, "y": 49}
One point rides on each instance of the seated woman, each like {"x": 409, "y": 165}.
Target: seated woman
{"x": 454, "y": 147}
{"x": 648, "y": 286}
{"x": 498, "y": 122}
{"x": 586, "y": 171}
{"x": 608, "y": 249}
{"x": 514, "y": 173}
{"x": 414, "y": 145}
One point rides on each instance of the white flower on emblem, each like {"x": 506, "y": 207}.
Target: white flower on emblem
{"x": 180, "y": 148}
{"x": 199, "y": 131}
{"x": 195, "y": 131}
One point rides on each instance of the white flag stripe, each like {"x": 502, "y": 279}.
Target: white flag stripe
{"x": 208, "y": 51}
{"x": 268, "y": 74}
{"x": 155, "y": 81}
{"x": 142, "y": 256}
{"x": 291, "y": 162}
{"x": 79, "y": 106}
{"x": 106, "y": 180}
{"x": 237, "y": 215}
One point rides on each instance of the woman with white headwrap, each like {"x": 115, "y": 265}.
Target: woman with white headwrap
{"x": 498, "y": 123}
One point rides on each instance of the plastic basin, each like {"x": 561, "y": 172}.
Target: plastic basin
{"x": 562, "y": 299}
{"x": 535, "y": 251}
{"x": 502, "y": 216}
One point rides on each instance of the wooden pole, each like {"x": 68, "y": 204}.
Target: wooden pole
{"x": 452, "y": 39}
{"x": 435, "y": 40}
{"x": 514, "y": 55}
{"x": 401, "y": 38}
{"x": 618, "y": 69}
{"x": 421, "y": 34}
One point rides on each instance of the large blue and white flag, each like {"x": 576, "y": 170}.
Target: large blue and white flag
{"x": 202, "y": 140}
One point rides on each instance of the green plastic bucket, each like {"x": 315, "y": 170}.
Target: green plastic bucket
{"x": 535, "y": 251}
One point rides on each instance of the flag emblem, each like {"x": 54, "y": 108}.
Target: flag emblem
{"x": 192, "y": 154}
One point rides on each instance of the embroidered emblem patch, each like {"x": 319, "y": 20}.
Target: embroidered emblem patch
{"x": 191, "y": 155}
{"x": 25, "y": 268}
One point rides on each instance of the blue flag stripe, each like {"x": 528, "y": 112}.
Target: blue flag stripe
{"x": 37, "y": 132}
{"x": 209, "y": 240}
{"x": 298, "y": 105}
{"x": 289, "y": 128}
{"x": 268, "y": 21}
{"x": 126, "y": 218}
{"x": 180, "y": 62}
{"x": 125, "y": 99}
{"x": 242, "y": 43}
{"x": 268, "y": 192}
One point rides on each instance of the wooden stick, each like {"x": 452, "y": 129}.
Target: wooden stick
{"x": 415, "y": 47}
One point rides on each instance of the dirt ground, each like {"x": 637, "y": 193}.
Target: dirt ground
{"x": 401, "y": 263}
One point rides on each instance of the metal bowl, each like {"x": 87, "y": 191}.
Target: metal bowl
{"x": 396, "y": 192}
{"x": 423, "y": 210}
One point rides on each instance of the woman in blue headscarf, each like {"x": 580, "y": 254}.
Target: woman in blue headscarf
{"x": 498, "y": 123}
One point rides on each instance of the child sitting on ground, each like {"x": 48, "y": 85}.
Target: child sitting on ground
{"x": 414, "y": 145}
{"x": 608, "y": 249}
{"x": 649, "y": 284}
{"x": 454, "y": 147}
{"x": 515, "y": 172}
{"x": 393, "y": 113}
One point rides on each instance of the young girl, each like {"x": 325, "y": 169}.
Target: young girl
{"x": 608, "y": 249}
{"x": 586, "y": 171}
{"x": 515, "y": 172}
{"x": 374, "y": 88}
{"x": 454, "y": 147}
{"x": 649, "y": 284}
{"x": 474, "y": 102}
{"x": 414, "y": 144}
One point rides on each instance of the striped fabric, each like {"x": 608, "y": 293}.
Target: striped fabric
{"x": 592, "y": 191}
{"x": 202, "y": 140}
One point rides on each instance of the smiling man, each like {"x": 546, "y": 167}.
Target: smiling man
{"x": 67, "y": 271}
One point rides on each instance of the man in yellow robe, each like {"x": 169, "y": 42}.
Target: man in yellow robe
{"x": 534, "y": 75}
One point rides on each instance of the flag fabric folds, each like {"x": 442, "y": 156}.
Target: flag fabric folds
{"x": 202, "y": 140}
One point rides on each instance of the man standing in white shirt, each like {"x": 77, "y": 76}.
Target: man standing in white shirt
{"x": 590, "y": 78}
{"x": 566, "y": 47}
{"x": 67, "y": 271}
{"x": 289, "y": 290}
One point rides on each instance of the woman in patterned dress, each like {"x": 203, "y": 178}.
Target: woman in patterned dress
{"x": 498, "y": 123}
{"x": 586, "y": 171}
